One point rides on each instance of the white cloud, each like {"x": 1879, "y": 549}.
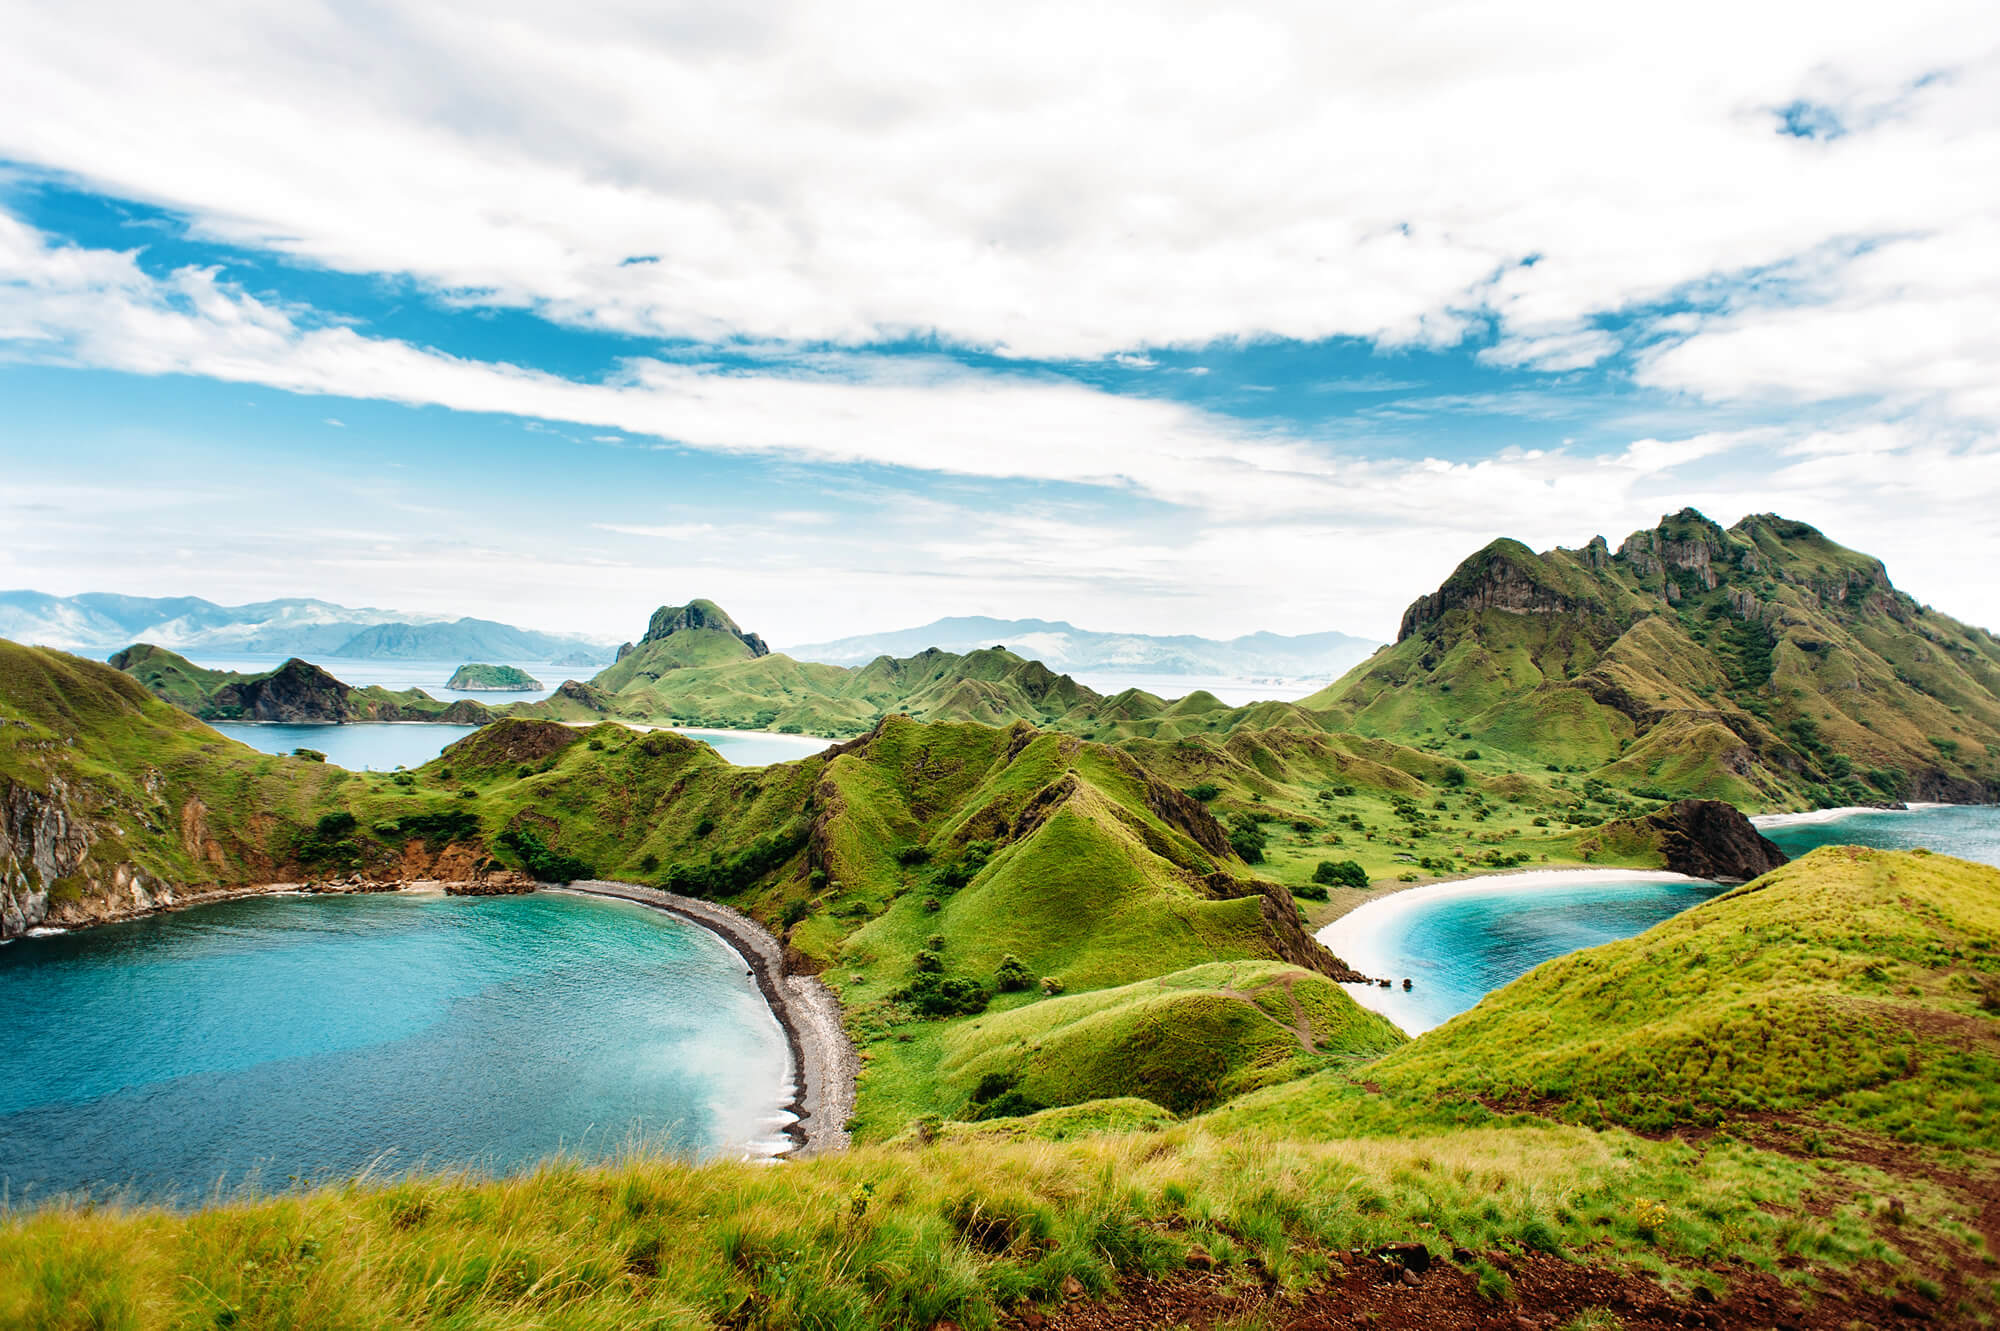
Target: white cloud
{"x": 1258, "y": 529}
{"x": 1047, "y": 179}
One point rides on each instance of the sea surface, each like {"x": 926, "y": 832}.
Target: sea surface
{"x": 369, "y": 746}
{"x": 1232, "y": 690}
{"x": 1457, "y": 942}
{"x": 275, "y": 1039}
{"x": 1969, "y": 831}
{"x": 426, "y": 675}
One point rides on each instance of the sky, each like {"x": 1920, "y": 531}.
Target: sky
{"x": 1156, "y": 318}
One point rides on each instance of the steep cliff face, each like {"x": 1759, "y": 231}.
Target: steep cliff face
{"x": 41, "y": 845}
{"x": 1710, "y": 839}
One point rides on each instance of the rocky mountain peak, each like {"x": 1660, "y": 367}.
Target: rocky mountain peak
{"x": 698, "y": 614}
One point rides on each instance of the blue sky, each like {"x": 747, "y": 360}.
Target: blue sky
{"x": 1164, "y": 320}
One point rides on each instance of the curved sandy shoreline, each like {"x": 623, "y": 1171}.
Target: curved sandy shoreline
{"x": 1356, "y": 936}
{"x": 1833, "y": 815}
{"x": 823, "y": 1058}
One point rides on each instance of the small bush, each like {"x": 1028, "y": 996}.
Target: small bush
{"x": 934, "y": 995}
{"x": 912, "y": 856}
{"x": 1012, "y": 977}
{"x": 1340, "y": 873}
{"x": 543, "y": 864}
{"x": 1204, "y": 792}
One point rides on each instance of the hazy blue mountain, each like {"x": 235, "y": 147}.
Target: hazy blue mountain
{"x": 294, "y": 626}
{"x": 1064, "y": 646}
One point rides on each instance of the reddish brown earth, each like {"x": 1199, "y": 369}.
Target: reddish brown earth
{"x": 1548, "y": 1291}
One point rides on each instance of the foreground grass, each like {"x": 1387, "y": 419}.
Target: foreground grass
{"x": 889, "y": 1236}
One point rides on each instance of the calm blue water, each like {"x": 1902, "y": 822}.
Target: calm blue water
{"x": 373, "y": 747}
{"x": 1459, "y": 949}
{"x": 426, "y": 675}
{"x": 1969, "y": 831}
{"x": 359, "y": 746}
{"x": 308, "y": 1036}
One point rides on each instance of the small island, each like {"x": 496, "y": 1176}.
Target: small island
{"x": 492, "y": 679}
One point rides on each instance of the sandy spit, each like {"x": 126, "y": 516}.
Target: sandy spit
{"x": 822, "y": 1055}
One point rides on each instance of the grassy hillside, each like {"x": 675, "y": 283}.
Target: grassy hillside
{"x": 113, "y": 797}
{"x": 1871, "y": 971}
{"x": 1849, "y": 995}
{"x": 1764, "y": 665}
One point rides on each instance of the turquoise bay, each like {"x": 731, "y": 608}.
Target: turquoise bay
{"x": 281, "y": 1038}
{"x": 1457, "y": 942}
{"x": 363, "y": 746}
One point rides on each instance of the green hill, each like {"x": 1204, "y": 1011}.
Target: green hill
{"x": 115, "y": 800}
{"x": 1765, "y": 665}
{"x": 497, "y": 678}
{"x": 1851, "y": 991}
{"x": 296, "y": 691}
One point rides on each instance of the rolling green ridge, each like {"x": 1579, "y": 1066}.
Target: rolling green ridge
{"x": 1850, "y": 992}
{"x": 1764, "y": 665}
{"x": 295, "y": 691}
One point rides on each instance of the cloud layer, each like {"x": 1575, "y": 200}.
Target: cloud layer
{"x": 1787, "y": 213}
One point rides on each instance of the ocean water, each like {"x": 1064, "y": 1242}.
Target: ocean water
{"x": 1457, "y": 942}
{"x": 262, "y": 1041}
{"x": 1969, "y": 831}
{"x": 426, "y": 675}
{"x": 365, "y": 746}
{"x": 359, "y": 747}
{"x": 1232, "y": 690}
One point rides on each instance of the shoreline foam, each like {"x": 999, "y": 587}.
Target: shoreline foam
{"x": 1358, "y": 936}
{"x": 824, "y": 1064}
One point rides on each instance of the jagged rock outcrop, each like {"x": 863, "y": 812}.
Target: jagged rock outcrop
{"x": 1506, "y": 575}
{"x": 298, "y": 691}
{"x": 41, "y": 843}
{"x": 671, "y": 619}
{"x": 1710, "y": 839}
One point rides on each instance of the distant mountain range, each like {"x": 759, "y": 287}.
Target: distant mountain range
{"x": 1064, "y": 646}
{"x": 294, "y": 626}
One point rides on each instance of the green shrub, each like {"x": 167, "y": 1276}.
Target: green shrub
{"x": 1246, "y": 837}
{"x": 1340, "y": 873}
{"x": 543, "y": 864}
{"x": 934, "y": 995}
{"x": 1205, "y": 791}
{"x": 1012, "y": 977}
